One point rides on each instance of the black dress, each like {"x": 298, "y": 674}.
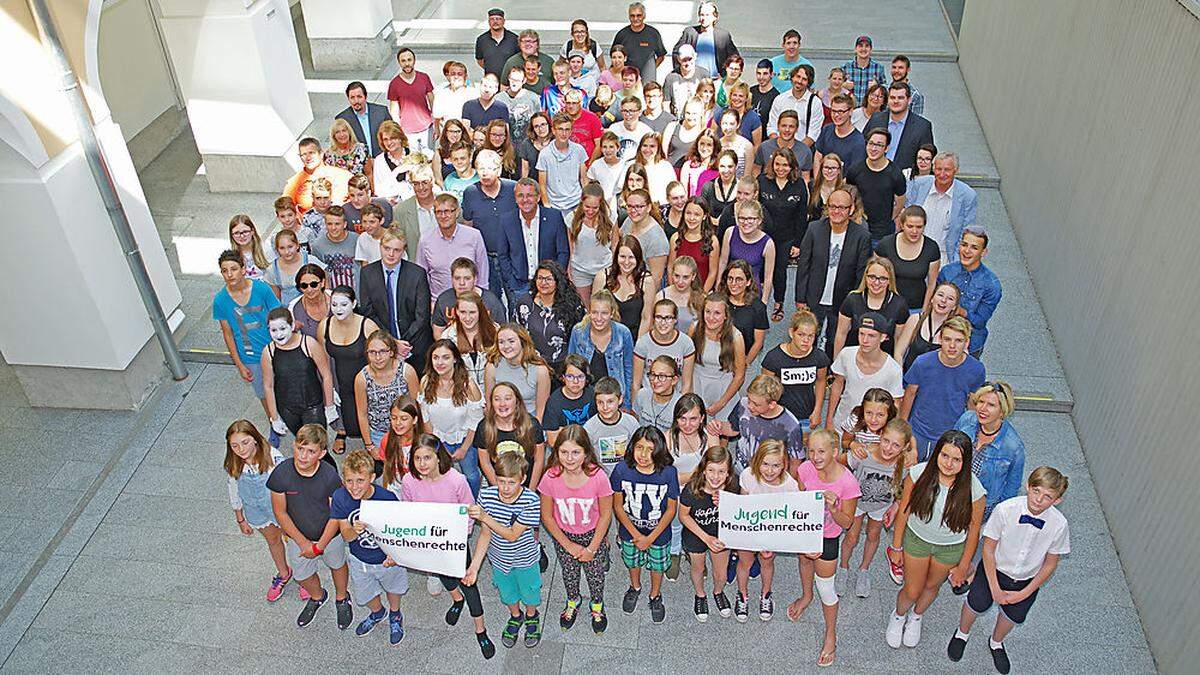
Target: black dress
{"x": 348, "y": 360}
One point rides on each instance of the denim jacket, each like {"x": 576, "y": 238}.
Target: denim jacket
{"x": 1003, "y": 460}
{"x": 618, "y": 356}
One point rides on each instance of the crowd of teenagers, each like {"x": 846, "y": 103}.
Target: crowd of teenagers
{"x": 549, "y": 302}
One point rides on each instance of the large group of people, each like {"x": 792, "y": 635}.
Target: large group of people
{"x": 546, "y": 295}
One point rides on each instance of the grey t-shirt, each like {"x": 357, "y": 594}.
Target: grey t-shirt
{"x": 338, "y": 258}
{"x": 520, "y": 110}
{"x": 649, "y": 349}
{"x": 653, "y": 414}
{"x": 653, "y": 240}
{"x": 562, "y": 174}
{"x": 677, "y": 89}
{"x": 802, "y": 152}
{"x": 446, "y": 300}
{"x": 610, "y": 440}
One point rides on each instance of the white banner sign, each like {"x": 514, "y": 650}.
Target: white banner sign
{"x": 784, "y": 522}
{"x": 420, "y": 536}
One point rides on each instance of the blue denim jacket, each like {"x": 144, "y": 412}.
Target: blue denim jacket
{"x": 980, "y": 295}
{"x": 1003, "y": 460}
{"x": 618, "y": 356}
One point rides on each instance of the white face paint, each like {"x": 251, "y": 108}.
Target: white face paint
{"x": 340, "y": 306}
{"x": 281, "y": 331}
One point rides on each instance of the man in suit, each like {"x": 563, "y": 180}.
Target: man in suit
{"x": 531, "y": 229}
{"x": 713, "y": 45}
{"x": 364, "y": 118}
{"x": 835, "y": 246}
{"x": 909, "y": 130}
{"x": 950, "y": 204}
{"x": 394, "y": 293}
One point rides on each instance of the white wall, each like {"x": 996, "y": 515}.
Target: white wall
{"x": 133, "y": 69}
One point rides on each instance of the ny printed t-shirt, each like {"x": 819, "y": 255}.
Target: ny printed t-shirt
{"x": 249, "y": 321}
{"x": 526, "y": 509}
{"x": 644, "y": 499}
{"x": 576, "y": 510}
{"x": 799, "y": 378}
{"x": 844, "y": 486}
{"x": 307, "y": 496}
{"x": 610, "y": 440}
{"x": 344, "y": 507}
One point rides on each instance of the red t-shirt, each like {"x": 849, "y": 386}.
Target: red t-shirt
{"x": 587, "y": 131}
{"x": 415, "y": 115}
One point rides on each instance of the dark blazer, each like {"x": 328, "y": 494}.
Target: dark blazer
{"x": 722, "y": 43}
{"x": 552, "y": 245}
{"x": 917, "y": 132}
{"x": 412, "y": 306}
{"x": 376, "y": 115}
{"x": 814, "y": 262}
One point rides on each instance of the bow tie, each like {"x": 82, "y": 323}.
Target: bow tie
{"x": 1030, "y": 520}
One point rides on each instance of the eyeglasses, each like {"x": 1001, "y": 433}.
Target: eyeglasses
{"x": 574, "y": 378}
{"x": 838, "y": 207}
{"x": 660, "y": 376}
{"x": 543, "y": 279}
{"x": 305, "y": 285}
{"x": 835, "y": 111}
{"x": 664, "y": 317}
{"x": 877, "y": 278}
{"x": 876, "y": 144}
{"x": 242, "y": 233}
{"x": 444, "y": 212}
{"x": 379, "y": 352}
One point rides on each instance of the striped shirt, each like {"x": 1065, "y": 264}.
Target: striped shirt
{"x": 527, "y": 510}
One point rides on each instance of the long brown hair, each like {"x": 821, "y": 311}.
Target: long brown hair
{"x": 706, "y": 226}
{"x": 752, "y": 291}
{"x": 394, "y": 459}
{"x": 460, "y": 376}
{"x": 234, "y": 465}
{"x": 523, "y": 427}
{"x": 957, "y": 513}
{"x": 717, "y": 454}
{"x": 605, "y": 228}
{"x": 725, "y": 335}
{"x": 486, "y": 339}
{"x": 573, "y": 433}
{"x": 873, "y": 395}
{"x": 612, "y": 280}
{"x": 508, "y": 155}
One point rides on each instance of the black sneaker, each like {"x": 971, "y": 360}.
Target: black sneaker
{"x": 722, "y": 603}
{"x": 629, "y": 602}
{"x": 568, "y": 616}
{"x": 543, "y": 560}
{"x": 454, "y": 612}
{"x": 1000, "y": 660}
{"x": 345, "y": 613}
{"x": 599, "y": 620}
{"x": 512, "y": 630}
{"x": 310, "y": 610}
{"x": 533, "y": 630}
{"x": 486, "y": 646}
{"x": 741, "y": 608}
{"x": 657, "y": 611}
{"x": 955, "y": 649}
{"x": 701, "y": 608}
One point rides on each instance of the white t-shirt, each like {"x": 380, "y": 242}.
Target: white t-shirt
{"x": 630, "y": 139}
{"x": 836, "y": 244}
{"x": 607, "y": 175}
{"x": 366, "y": 249}
{"x": 890, "y": 378}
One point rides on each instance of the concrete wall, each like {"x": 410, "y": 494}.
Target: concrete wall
{"x": 133, "y": 69}
{"x": 1088, "y": 108}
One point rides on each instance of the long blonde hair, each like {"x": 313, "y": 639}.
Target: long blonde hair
{"x": 256, "y": 250}
{"x": 606, "y": 230}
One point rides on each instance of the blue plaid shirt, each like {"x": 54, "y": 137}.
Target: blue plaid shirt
{"x": 916, "y": 103}
{"x": 861, "y": 76}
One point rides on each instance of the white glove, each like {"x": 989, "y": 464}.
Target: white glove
{"x": 337, "y": 398}
{"x": 331, "y": 413}
{"x": 279, "y": 427}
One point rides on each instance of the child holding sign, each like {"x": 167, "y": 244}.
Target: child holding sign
{"x": 645, "y": 497}
{"x": 370, "y": 573}
{"x": 610, "y": 428}
{"x": 822, "y": 472}
{"x": 700, "y": 517}
{"x": 432, "y": 478}
{"x": 510, "y": 515}
{"x": 249, "y": 460}
{"x": 576, "y": 511}
{"x": 767, "y": 474}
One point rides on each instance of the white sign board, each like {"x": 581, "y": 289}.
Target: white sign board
{"x": 784, "y": 522}
{"x": 419, "y": 535}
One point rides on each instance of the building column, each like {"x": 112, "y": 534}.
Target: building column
{"x": 240, "y": 72}
{"x": 345, "y": 35}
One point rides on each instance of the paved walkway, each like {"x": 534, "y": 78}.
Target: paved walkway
{"x": 121, "y": 554}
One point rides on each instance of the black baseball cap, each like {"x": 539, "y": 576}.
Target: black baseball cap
{"x": 495, "y": 11}
{"x": 876, "y": 322}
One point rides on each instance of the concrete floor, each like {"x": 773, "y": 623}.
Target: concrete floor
{"x": 121, "y": 554}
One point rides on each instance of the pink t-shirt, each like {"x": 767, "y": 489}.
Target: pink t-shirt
{"x": 451, "y": 488}
{"x": 752, "y": 486}
{"x": 415, "y": 115}
{"x": 576, "y": 510}
{"x": 844, "y": 486}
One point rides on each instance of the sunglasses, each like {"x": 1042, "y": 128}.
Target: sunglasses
{"x": 305, "y": 285}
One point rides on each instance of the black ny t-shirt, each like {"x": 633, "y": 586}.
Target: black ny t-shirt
{"x": 307, "y": 496}
{"x": 894, "y": 309}
{"x": 912, "y": 276}
{"x": 799, "y": 378}
{"x": 879, "y": 190}
{"x": 506, "y": 441}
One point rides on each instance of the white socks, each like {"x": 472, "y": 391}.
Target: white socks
{"x": 995, "y": 645}
{"x": 961, "y": 635}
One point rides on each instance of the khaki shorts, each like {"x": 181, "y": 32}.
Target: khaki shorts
{"x": 945, "y": 554}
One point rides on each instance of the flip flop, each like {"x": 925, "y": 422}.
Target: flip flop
{"x": 825, "y": 659}
{"x": 339, "y": 444}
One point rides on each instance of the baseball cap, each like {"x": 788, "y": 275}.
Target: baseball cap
{"x": 496, "y": 11}
{"x": 861, "y": 39}
{"x": 876, "y": 322}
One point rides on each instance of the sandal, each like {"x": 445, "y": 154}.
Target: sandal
{"x": 826, "y": 658}
{"x": 339, "y": 444}
{"x": 777, "y": 314}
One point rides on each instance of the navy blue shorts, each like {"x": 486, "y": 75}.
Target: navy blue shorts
{"x": 979, "y": 597}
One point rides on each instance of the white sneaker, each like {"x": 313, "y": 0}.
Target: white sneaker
{"x": 862, "y": 585}
{"x": 912, "y": 631}
{"x": 895, "y": 630}
{"x": 434, "y": 585}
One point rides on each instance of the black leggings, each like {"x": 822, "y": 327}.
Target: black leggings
{"x": 471, "y": 593}
{"x": 783, "y": 253}
{"x": 295, "y": 418}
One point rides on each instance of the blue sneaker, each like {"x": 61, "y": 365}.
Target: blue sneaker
{"x": 731, "y": 571}
{"x": 755, "y": 568}
{"x": 273, "y": 439}
{"x": 373, "y": 619}
{"x": 397, "y": 628}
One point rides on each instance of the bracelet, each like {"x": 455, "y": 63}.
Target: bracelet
{"x": 899, "y": 549}
{"x": 241, "y": 520}
{"x": 317, "y": 549}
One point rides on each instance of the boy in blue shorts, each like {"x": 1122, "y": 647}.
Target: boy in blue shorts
{"x": 371, "y": 575}
{"x": 1022, "y": 542}
{"x": 510, "y": 514}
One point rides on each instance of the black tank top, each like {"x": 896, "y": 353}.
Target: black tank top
{"x": 631, "y": 312}
{"x": 919, "y": 345}
{"x": 297, "y": 383}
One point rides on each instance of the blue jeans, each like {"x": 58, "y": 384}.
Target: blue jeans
{"x": 496, "y": 282}
{"x": 468, "y": 465}
{"x": 925, "y": 447}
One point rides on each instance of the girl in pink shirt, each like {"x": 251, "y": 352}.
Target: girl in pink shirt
{"x": 577, "y": 502}
{"x": 431, "y": 478}
{"x": 766, "y": 474}
{"x": 822, "y": 472}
